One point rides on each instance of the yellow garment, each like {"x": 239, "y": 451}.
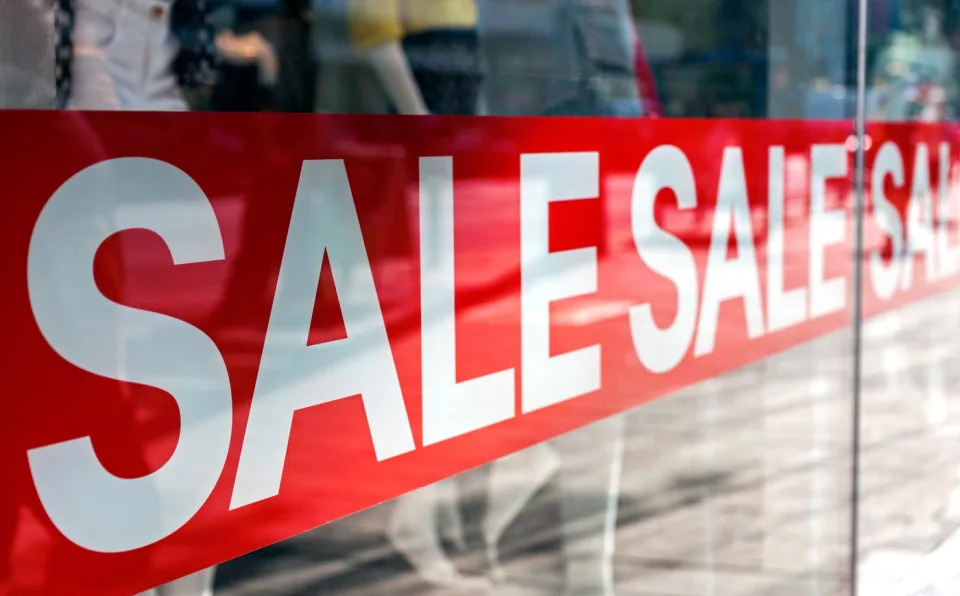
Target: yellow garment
{"x": 377, "y": 22}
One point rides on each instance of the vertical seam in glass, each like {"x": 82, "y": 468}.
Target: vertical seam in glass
{"x": 860, "y": 122}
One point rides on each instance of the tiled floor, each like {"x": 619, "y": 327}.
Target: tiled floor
{"x": 736, "y": 486}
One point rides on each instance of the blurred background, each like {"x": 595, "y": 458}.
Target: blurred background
{"x": 738, "y": 485}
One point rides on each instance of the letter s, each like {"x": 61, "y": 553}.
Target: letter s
{"x": 661, "y": 350}
{"x": 92, "y": 507}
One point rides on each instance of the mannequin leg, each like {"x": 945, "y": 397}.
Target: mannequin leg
{"x": 513, "y": 481}
{"x": 449, "y": 520}
{"x": 590, "y": 466}
{"x": 195, "y": 584}
{"x": 413, "y": 531}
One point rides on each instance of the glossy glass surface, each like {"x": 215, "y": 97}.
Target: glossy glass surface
{"x": 714, "y": 459}
{"x": 909, "y": 482}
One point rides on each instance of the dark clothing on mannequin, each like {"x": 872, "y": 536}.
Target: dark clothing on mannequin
{"x": 559, "y": 57}
{"x": 446, "y": 66}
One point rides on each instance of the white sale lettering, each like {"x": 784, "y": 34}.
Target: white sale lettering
{"x": 105, "y": 513}
{"x": 91, "y": 506}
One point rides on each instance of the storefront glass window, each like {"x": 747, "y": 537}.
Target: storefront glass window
{"x": 478, "y": 296}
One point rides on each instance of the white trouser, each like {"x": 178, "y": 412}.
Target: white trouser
{"x": 123, "y": 56}
{"x": 195, "y": 584}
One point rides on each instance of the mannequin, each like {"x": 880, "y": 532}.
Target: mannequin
{"x": 135, "y": 55}
{"x": 132, "y": 54}
{"x": 424, "y": 53}
{"x": 588, "y": 49}
{"x": 564, "y": 57}
{"x": 393, "y": 70}
{"x": 915, "y": 74}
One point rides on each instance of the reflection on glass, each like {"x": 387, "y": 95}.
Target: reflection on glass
{"x": 913, "y": 66}
{"x": 733, "y": 486}
{"x": 909, "y": 517}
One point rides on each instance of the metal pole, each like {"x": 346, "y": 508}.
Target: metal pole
{"x": 859, "y": 200}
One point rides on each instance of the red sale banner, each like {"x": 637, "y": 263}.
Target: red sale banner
{"x": 224, "y": 330}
